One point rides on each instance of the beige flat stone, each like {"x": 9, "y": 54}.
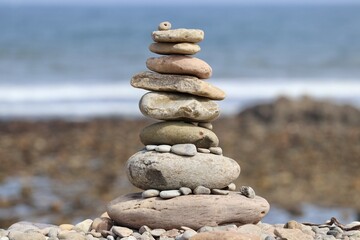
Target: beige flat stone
{"x": 176, "y": 83}
{"x": 178, "y": 64}
{"x": 174, "y": 132}
{"x": 194, "y": 211}
{"x": 167, "y": 171}
{"x": 177, "y": 106}
{"x": 178, "y": 35}
{"x": 174, "y": 48}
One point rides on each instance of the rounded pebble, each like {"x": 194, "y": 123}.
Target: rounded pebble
{"x": 216, "y": 150}
{"x": 143, "y": 229}
{"x": 231, "y": 187}
{"x": 163, "y": 148}
{"x": 150, "y": 147}
{"x": 170, "y": 194}
{"x": 157, "y": 232}
{"x": 184, "y": 149}
{"x": 247, "y": 191}
{"x": 164, "y": 26}
{"x": 185, "y": 190}
{"x": 201, "y": 190}
{"x": 121, "y": 231}
{"x": 203, "y": 150}
{"x": 150, "y": 193}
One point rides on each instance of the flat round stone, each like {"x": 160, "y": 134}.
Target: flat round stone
{"x": 171, "y": 133}
{"x": 174, "y": 48}
{"x": 185, "y": 190}
{"x": 177, "y": 106}
{"x": 201, "y": 190}
{"x": 205, "y": 210}
{"x": 178, "y": 64}
{"x": 184, "y": 149}
{"x": 178, "y": 35}
{"x": 166, "y": 194}
{"x": 150, "y": 193}
{"x": 163, "y": 148}
{"x": 176, "y": 83}
{"x": 168, "y": 171}
{"x": 164, "y": 26}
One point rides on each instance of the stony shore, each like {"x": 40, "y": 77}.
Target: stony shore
{"x": 104, "y": 229}
{"x": 85, "y": 160}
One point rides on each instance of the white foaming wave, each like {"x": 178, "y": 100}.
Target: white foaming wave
{"x": 105, "y": 99}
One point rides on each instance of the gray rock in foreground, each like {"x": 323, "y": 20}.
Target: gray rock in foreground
{"x": 175, "y": 106}
{"x": 167, "y": 171}
{"x": 194, "y": 211}
{"x": 173, "y": 132}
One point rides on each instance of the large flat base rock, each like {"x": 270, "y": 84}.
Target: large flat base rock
{"x": 194, "y": 211}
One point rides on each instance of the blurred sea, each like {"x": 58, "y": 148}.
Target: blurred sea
{"x": 77, "y": 61}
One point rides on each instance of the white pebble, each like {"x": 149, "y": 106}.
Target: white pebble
{"x": 163, "y": 148}
{"x": 150, "y": 193}
{"x": 201, "y": 190}
{"x": 150, "y": 147}
{"x": 185, "y": 190}
{"x": 216, "y": 150}
{"x": 203, "y": 150}
{"x": 170, "y": 194}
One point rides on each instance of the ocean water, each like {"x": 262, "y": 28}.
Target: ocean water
{"x": 77, "y": 61}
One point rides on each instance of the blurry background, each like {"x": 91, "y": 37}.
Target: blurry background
{"x": 69, "y": 119}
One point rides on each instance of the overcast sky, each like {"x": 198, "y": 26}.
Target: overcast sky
{"x": 182, "y": 2}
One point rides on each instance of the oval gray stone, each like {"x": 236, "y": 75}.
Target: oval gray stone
{"x": 179, "y": 64}
{"x": 167, "y": 171}
{"x": 174, "y": 48}
{"x": 201, "y": 190}
{"x": 166, "y": 194}
{"x": 176, "y": 83}
{"x": 205, "y": 210}
{"x": 163, "y": 148}
{"x": 184, "y": 149}
{"x": 178, "y": 35}
{"x": 185, "y": 190}
{"x": 216, "y": 150}
{"x": 177, "y": 106}
{"x": 171, "y": 133}
{"x": 150, "y": 193}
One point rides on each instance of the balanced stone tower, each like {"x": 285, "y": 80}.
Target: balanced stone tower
{"x": 187, "y": 181}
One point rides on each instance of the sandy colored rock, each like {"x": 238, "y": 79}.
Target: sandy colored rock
{"x": 173, "y": 132}
{"x": 176, "y": 83}
{"x": 177, "y": 64}
{"x": 224, "y": 235}
{"x": 178, "y": 35}
{"x": 174, "y": 48}
{"x": 164, "y": 26}
{"x": 167, "y": 171}
{"x": 175, "y": 106}
{"x": 205, "y": 210}
{"x": 293, "y": 234}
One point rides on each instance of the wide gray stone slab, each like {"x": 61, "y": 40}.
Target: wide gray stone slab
{"x": 178, "y": 64}
{"x": 176, "y": 83}
{"x": 174, "y": 48}
{"x": 167, "y": 171}
{"x": 176, "y": 106}
{"x": 178, "y": 35}
{"x": 174, "y": 132}
{"x": 194, "y": 211}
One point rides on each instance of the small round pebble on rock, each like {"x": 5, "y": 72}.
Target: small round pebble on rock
{"x": 163, "y": 148}
{"x": 206, "y": 125}
{"x": 203, "y": 150}
{"x": 201, "y": 190}
{"x": 231, "y": 187}
{"x": 216, "y": 150}
{"x": 150, "y": 193}
{"x": 164, "y": 26}
{"x": 184, "y": 149}
{"x": 170, "y": 194}
{"x": 185, "y": 190}
{"x": 150, "y": 147}
{"x": 247, "y": 191}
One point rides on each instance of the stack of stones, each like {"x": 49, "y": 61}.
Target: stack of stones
{"x": 185, "y": 177}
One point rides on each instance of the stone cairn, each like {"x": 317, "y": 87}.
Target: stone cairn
{"x": 185, "y": 177}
